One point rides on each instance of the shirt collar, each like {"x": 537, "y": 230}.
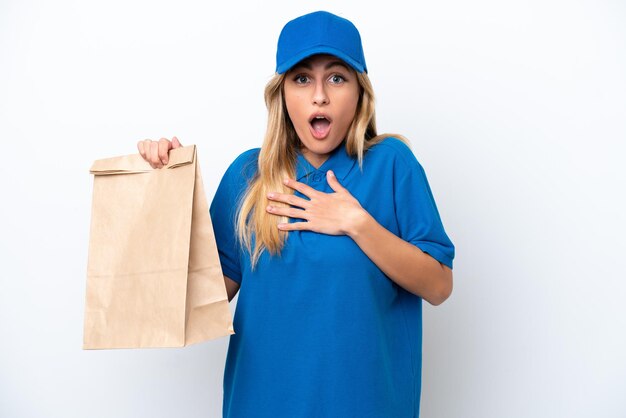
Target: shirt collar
{"x": 338, "y": 161}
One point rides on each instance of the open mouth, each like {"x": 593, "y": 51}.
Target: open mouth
{"x": 320, "y": 126}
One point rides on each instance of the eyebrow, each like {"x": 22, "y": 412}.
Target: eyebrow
{"x": 328, "y": 66}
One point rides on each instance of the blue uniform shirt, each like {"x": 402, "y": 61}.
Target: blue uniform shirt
{"x": 321, "y": 331}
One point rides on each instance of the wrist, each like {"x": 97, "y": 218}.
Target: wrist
{"x": 358, "y": 223}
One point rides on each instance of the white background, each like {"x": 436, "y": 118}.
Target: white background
{"x": 517, "y": 111}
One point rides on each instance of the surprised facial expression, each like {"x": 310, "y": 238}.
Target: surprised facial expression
{"x": 321, "y": 94}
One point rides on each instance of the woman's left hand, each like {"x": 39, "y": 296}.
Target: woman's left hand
{"x": 337, "y": 213}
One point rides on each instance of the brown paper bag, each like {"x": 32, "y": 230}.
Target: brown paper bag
{"x": 153, "y": 277}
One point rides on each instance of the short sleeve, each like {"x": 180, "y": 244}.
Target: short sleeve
{"x": 418, "y": 218}
{"x": 223, "y": 211}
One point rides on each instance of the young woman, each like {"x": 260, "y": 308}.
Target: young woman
{"x": 332, "y": 237}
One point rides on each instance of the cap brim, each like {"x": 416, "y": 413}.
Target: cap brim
{"x": 287, "y": 65}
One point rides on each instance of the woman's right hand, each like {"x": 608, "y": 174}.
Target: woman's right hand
{"x": 156, "y": 153}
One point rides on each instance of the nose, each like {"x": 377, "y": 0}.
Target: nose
{"x": 320, "y": 97}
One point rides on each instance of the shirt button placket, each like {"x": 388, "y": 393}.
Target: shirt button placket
{"x": 317, "y": 177}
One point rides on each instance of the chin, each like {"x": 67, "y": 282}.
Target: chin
{"x": 322, "y": 146}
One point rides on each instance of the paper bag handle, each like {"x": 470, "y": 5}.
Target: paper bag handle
{"x": 134, "y": 163}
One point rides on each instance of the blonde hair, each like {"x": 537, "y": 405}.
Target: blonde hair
{"x": 277, "y": 160}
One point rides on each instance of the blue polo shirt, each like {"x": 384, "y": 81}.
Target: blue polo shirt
{"x": 321, "y": 331}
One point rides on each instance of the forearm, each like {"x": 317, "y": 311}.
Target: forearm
{"x": 403, "y": 262}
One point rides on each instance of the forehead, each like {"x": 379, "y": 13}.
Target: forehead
{"x": 323, "y": 60}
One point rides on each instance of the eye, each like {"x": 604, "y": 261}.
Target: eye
{"x": 337, "y": 79}
{"x": 301, "y": 79}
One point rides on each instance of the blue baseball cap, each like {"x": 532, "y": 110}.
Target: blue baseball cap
{"x": 319, "y": 33}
